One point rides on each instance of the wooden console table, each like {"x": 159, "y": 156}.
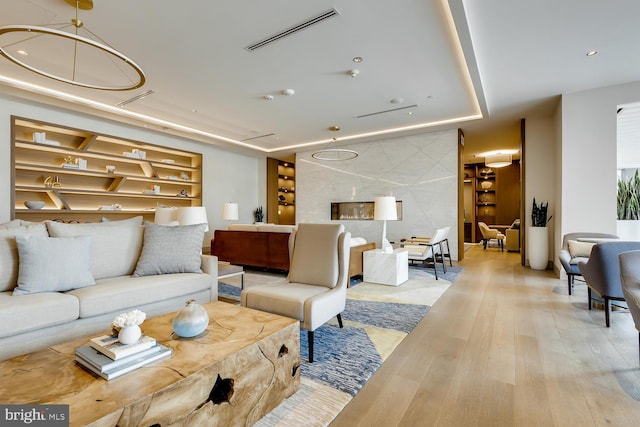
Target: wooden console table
{"x": 237, "y": 371}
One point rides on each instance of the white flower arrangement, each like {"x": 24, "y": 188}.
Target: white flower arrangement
{"x": 134, "y": 317}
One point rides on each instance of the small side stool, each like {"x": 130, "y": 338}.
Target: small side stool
{"x": 229, "y": 270}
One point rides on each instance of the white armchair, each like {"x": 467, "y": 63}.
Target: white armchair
{"x": 429, "y": 250}
{"x": 316, "y": 288}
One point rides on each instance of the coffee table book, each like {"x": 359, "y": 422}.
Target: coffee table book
{"x": 104, "y": 363}
{"x": 133, "y": 363}
{"x": 111, "y": 347}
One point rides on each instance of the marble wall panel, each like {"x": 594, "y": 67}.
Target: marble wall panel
{"x": 420, "y": 170}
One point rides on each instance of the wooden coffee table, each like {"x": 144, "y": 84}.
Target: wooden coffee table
{"x": 237, "y": 371}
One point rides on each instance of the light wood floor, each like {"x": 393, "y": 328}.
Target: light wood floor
{"x": 506, "y": 346}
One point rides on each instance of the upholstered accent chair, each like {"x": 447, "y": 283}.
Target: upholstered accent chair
{"x": 602, "y": 272}
{"x": 570, "y": 256}
{"x": 316, "y": 287}
{"x": 430, "y": 250}
{"x": 489, "y": 234}
{"x": 630, "y": 276}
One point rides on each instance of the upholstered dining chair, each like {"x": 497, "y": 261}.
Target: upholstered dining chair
{"x": 602, "y": 272}
{"x": 316, "y": 287}
{"x": 573, "y": 252}
{"x": 489, "y": 234}
{"x": 630, "y": 277}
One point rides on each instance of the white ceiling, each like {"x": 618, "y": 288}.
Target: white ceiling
{"x": 453, "y": 60}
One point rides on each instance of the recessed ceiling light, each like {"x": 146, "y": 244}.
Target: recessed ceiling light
{"x": 288, "y": 92}
{"x": 358, "y": 59}
{"x": 592, "y": 53}
{"x": 193, "y": 110}
{"x": 410, "y": 113}
{"x": 268, "y": 97}
{"x": 22, "y": 52}
{"x": 397, "y": 100}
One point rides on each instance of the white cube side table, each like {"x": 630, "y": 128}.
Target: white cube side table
{"x": 385, "y": 268}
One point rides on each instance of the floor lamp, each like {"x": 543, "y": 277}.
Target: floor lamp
{"x": 385, "y": 209}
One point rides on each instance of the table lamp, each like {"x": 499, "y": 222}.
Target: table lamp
{"x": 166, "y": 216}
{"x": 230, "y": 211}
{"x": 385, "y": 209}
{"x": 193, "y": 215}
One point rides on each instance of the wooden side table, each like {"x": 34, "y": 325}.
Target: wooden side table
{"x": 386, "y": 268}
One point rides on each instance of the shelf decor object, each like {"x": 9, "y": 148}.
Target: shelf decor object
{"x": 110, "y": 178}
{"x": 385, "y": 209}
{"x": 116, "y": 72}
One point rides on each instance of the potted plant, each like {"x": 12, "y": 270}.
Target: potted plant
{"x": 628, "y": 208}
{"x": 538, "y": 236}
{"x": 258, "y": 215}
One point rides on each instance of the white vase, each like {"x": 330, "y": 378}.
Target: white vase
{"x": 538, "y": 247}
{"x": 129, "y": 334}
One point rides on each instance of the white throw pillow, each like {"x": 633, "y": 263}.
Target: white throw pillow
{"x": 53, "y": 264}
{"x": 115, "y": 245}
{"x": 9, "y": 251}
{"x": 171, "y": 249}
{"x": 580, "y": 249}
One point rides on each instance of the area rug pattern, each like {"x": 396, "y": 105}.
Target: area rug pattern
{"x": 376, "y": 319}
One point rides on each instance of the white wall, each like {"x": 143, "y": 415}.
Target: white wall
{"x": 540, "y": 170}
{"x": 226, "y": 176}
{"x": 421, "y": 170}
{"x": 589, "y": 157}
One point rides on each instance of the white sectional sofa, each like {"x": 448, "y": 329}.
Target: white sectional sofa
{"x": 62, "y": 281}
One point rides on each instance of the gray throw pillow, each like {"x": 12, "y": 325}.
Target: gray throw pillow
{"x": 53, "y": 264}
{"x": 171, "y": 249}
{"x": 9, "y": 262}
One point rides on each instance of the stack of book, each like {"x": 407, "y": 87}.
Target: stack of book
{"x": 109, "y": 358}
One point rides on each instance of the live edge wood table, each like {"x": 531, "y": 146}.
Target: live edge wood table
{"x": 238, "y": 370}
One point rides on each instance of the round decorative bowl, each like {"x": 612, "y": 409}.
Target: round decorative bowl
{"x": 191, "y": 321}
{"x": 486, "y": 185}
{"x": 34, "y": 204}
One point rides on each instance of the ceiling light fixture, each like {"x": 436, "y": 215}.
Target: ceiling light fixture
{"x": 357, "y": 59}
{"x": 288, "y": 92}
{"x": 336, "y": 153}
{"x": 41, "y": 40}
{"x": 498, "y": 160}
{"x": 592, "y": 53}
{"x": 354, "y": 72}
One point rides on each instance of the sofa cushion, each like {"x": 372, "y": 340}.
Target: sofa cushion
{"x": 171, "y": 249}
{"x": 580, "y": 249}
{"x": 126, "y": 292}
{"x": 9, "y": 251}
{"x": 242, "y": 227}
{"x": 276, "y": 228}
{"x": 23, "y": 313}
{"x": 285, "y": 299}
{"x": 115, "y": 245}
{"x": 12, "y": 223}
{"x": 53, "y": 264}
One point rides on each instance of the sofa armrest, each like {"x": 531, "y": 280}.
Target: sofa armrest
{"x": 565, "y": 259}
{"x": 210, "y": 266}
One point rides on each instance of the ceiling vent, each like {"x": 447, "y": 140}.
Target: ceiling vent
{"x": 309, "y": 22}
{"x": 135, "y": 98}
{"x": 257, "y": 137}
{"x": 386, "y": 111}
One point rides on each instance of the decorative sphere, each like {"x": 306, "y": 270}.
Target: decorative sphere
{"x": 192, "y": 320}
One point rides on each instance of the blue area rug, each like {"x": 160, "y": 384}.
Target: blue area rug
{"x": 346, "y": 358}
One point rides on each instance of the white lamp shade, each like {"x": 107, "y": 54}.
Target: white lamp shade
{"x": 230, "y": 211}
{"x": 166, "y": 216}
{"x": 193, "y": 215}
{"x": 385, "y": 208}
